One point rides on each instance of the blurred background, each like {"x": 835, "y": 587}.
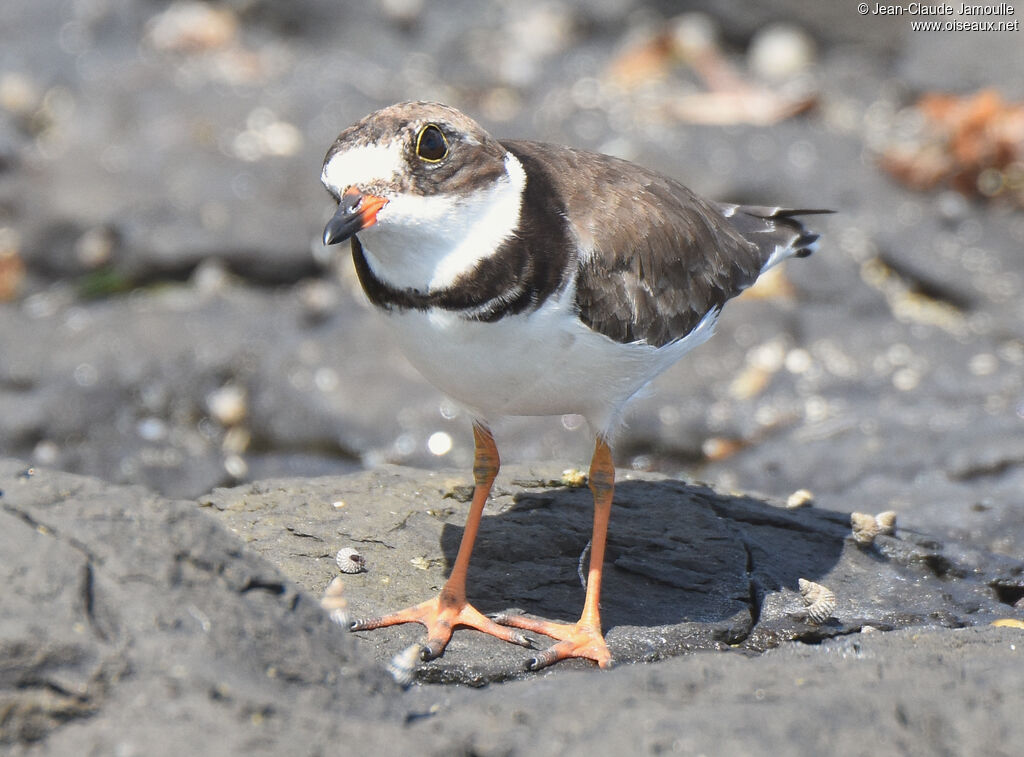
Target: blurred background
{"x": 168, "y": 315}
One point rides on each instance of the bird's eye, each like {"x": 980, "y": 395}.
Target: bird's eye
{"x": 431, "y": 145}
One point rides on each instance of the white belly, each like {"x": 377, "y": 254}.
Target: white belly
{"x": 541, "y": 363}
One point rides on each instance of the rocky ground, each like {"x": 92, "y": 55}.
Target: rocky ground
{"x": 170, "y": 325}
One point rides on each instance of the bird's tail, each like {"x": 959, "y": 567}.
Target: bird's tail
{"x": 776, "y": 231}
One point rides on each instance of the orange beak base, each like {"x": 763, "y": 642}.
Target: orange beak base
{"x": 356, "y": 211}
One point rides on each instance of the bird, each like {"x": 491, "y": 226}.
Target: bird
{"x": 524, "y": 278}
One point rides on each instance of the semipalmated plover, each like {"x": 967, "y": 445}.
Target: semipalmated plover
{"x": 524, "y": 278}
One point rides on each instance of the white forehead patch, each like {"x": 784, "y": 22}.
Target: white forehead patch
{"x": 362, "y": 165}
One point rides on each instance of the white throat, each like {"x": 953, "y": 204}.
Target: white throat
{"x": 427, "y": 242}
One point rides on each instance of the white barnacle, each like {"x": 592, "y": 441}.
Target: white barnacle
{"x": 886, "y": 522}
{"x": 799, "y": 498}
{"x": 402, "y": 666}
{"x": 865, "y": 528}
{"x": 350, "y": 561}
{"x": 820, "y": 601}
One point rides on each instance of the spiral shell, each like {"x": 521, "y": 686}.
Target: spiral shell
{"x": 402, "y": 666}
{"x": 335, "y": 603}
{"x": 350, "y": 561}
{"x": 820, "y": 601}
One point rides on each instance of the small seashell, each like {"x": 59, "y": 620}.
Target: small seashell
{"x": 886, "y": 522}
{"x": 820, "y": 601}
{"x": 334, "y": 591}
{"x": 420, "y": 563}
{"x": 402, "y": 666}
{"x": 799, "y": 498}
{"x": 868, "y": 629}
{"x": 574, "y": 478}
{"x": 1008, "y": 623}
{"x": 335, "y": 603}
{"x": 350, "y": 561}
{"x": 865, "y": 528}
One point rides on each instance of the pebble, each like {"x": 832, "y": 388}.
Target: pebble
{"x": 319, "y": 300}
{"x": 190, "y": 26}
{"x": 95, "y": 246}
{"x": 228, "y": 405}
{"x": 779, "y": 51}
{"x": 693, "y": 34}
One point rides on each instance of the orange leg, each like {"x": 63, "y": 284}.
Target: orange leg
{"x": 582, "y": 639}
{"x": 449, "y": 609}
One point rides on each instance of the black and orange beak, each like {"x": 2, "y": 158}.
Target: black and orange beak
{"x": 356, "y": 211}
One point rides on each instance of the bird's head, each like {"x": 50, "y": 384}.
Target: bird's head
{"x": 417, "y": 169}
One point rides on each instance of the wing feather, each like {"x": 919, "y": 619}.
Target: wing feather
{"x": 654, "y": 257}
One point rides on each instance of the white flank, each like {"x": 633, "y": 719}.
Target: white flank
{"x": 542, "y": 363}
{"x": 362, "y": 165}
{"x": 427, "y": 242}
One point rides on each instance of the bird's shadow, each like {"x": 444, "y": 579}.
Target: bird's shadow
{"x": 677, "y": 553}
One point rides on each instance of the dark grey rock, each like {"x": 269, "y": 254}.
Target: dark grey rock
{"x": 135, "y": 624}
{"x": 904, "y": 692}
{"x": 688, "y": 568}
{"x": 131, "y": 623}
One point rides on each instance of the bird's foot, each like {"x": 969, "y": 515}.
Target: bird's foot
{"x": 574, "y": 640}
{"x": 441, "y": 615}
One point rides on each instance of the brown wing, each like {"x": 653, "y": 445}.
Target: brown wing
{"x": 656, "y": 257}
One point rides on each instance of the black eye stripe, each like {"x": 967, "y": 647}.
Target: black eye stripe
{"x": 431, "y": 145}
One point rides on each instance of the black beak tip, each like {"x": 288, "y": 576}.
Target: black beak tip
{"x": 330, "y": 235}
{"x": 342, "y": 225}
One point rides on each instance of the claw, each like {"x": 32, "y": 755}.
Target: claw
{"x": 432, "y": 649}
{"x": 523, "y": 641}
{"x": 542, "y": 660}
